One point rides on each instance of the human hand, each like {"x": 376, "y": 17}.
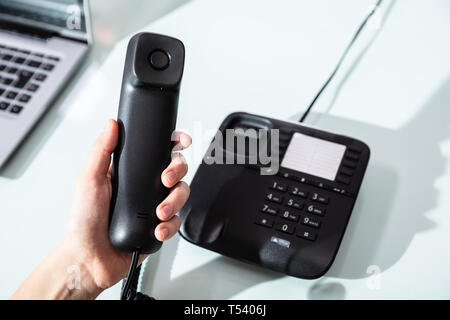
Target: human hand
{"x": 86, "y": 263}
{"x": 88, "y": 224}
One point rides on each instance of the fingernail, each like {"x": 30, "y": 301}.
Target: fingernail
{"x": 171, "y": 177}
{"x": 166, "y": 211}
{"x": 163, "y": 233}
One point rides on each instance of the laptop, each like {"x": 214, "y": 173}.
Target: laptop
{"x": 41, "y": 44}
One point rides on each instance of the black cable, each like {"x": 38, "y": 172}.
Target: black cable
{"x": 130, "y": 283}
{"x": 127, "y": 293}
{"x": 361, "y": 27}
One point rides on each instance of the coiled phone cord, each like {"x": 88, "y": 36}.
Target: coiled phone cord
{"x": 129, "y": 286}
{"x": 344, "y": 55}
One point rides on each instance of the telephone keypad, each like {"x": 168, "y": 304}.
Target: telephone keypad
{"x": 291, "y": 214}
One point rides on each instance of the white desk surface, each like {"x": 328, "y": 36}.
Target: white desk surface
{"x": 271, "y": 57}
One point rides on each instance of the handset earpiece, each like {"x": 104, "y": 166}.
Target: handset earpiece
{"x": 147, "y": 117}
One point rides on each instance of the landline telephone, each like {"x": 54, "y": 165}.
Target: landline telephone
{"x": 292, "y": 221}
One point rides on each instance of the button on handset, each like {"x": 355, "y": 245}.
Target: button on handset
{"x": 147, "y": 116}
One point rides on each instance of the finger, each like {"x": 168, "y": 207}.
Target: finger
{"x": 174, "y": 202}
{"x": 182, "y": 140}
{"x": 99, "y": 158}
{"x": 176, "y": 170}
{"x": 110, "y": 170}
{"x": 166, "y": 230}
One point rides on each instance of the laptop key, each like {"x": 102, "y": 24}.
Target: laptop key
{"x": 24, "y": 98}
{"x": 24, "y": 77}
{"x": 2, "y": 67}
{"x": 7, "y": 81}
{"x": 48, "y": 66}
{"x": 32, "y": 87}
{"x": 16, "y": 109}
{"x": 2, "y": 91}
{"x": 4, "y": 105}
{"x": 12, "y": 70}
{"x": 7, "y": 57}
{"x": 34, "y": 63}
{"x": 53, "y": 58}
{"x": 19, "y": 60}
{"x": 40, "y": 77}
{"x": 11, "y": 94}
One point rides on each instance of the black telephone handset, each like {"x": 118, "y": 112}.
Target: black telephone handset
{"x": 147, "y": 116}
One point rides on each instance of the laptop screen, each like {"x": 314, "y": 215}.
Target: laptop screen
{"x": 65, "y": 17}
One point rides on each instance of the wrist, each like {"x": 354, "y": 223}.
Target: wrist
{"x": 78, "y": 275}
{"x": 64, "y": 274}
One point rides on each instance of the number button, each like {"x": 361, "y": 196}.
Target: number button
{"x": 319, "y": 198}
{"x": 290, "y": 215}
{"x": 279, "y": 186}
{"x": 268, "y": 209}
{"x": 274, "y": 198}
{"x": 294, "y": 204}
{"x": 265, "y": 222}
{"x": 297, "y": 192}
{"x": 306, "y": 234}
{"x": 284, "y": 227}
{"x": 310, "y": 222}
{"x": 316, "y": 210}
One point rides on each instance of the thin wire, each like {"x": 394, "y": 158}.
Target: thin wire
{"x": 349, "y": 46}
{"x": 130, "y": 277}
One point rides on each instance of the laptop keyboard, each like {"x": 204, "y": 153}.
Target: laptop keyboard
{"x": 22, "y": 72}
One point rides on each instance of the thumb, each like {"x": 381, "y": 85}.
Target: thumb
{"x": 99, "y": 157}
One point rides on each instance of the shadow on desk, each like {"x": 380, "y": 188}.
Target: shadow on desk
{"x": 221, "y": 278}
{"x": 396, "y": 195}
{"x": 390, "y": 211}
